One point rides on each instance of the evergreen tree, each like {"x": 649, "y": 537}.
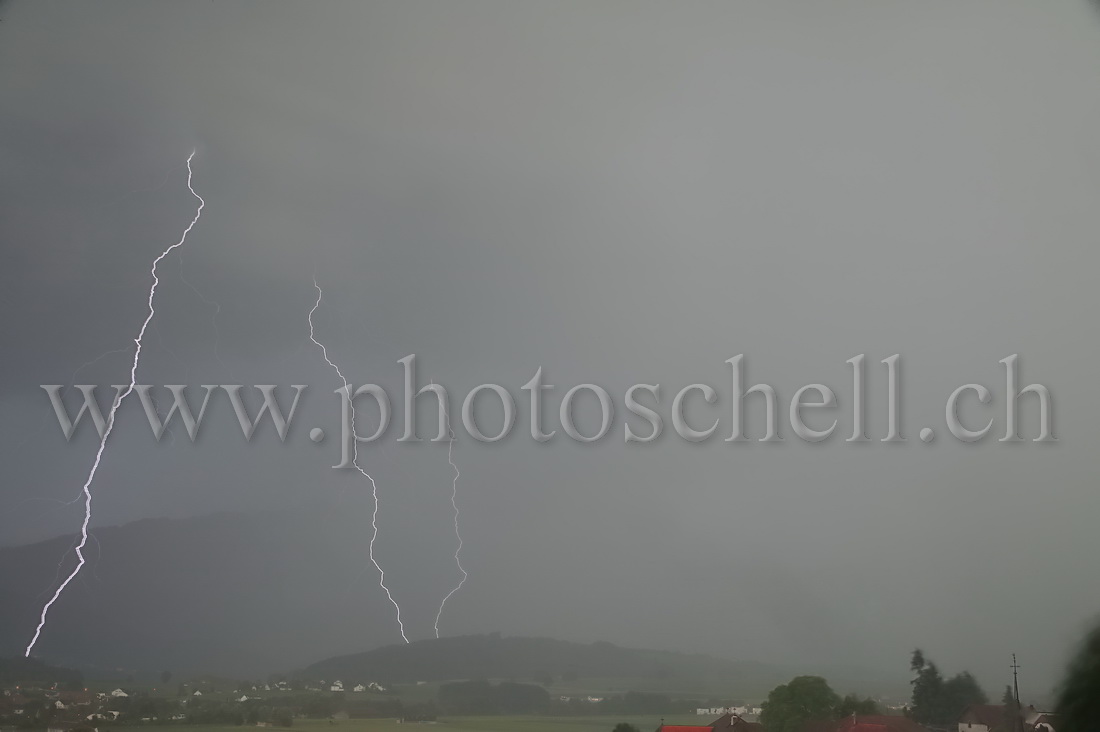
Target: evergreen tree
{"x": 938, "y": 702}
{"x": 1078, "y": 705}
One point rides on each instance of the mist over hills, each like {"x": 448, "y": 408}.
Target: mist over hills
{"x": 598, "y": 666}
{"x": 233, "y": 593}
{"x": 242, "y": 595}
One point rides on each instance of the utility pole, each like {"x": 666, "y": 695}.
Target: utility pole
{"x": 1018, "y": 725}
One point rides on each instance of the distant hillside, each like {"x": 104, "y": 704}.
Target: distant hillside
{"x": 245, "y": 595}
{"x": 496, "y": 657}
{"x": 36, "y": 673}
{"x": 234, "y": 594}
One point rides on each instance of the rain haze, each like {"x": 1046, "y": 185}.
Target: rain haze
{"x": 616, "y": 193}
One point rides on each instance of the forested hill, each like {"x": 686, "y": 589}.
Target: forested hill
{"x": 496, "y": 657}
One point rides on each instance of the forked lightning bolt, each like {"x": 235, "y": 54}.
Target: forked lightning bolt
{"x": 454, "y": 504}
{"x": 86, "y": 490}
{"x": 355, "y": 462}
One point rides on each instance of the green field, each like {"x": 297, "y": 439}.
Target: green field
{"x": 452, "y": 724}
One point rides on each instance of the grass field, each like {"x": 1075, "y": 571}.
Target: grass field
{"x": 453, "y": 724}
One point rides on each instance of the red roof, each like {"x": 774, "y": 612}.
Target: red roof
{"x": 733, "y": 723}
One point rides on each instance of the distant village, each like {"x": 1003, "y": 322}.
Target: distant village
{"x": 60, "y": 709}
{"x": 805, "y": 704}
{"x": 976, "y": 718}
{"x": 63, "y": 710}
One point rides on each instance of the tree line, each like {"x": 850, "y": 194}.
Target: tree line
{"x": 936, "y": 701}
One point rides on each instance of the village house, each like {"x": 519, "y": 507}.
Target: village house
{"x": 733, "y": 722}
{"x": 999, "y": 718}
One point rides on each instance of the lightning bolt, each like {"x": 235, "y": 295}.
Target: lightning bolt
{"x": 86, "y": 490}
{"x": 454, "y": 504}
{"x": 355, "y": 462}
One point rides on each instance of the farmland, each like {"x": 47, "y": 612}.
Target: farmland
{"x": 456, "y": 724}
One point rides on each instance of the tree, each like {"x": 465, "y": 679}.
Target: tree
{"x": 959, "y": 692}
{"x": 165, "y": 677}
{"x": 852, "y": 704}
{"x": 1011, "y": 710}
{"x": 1078, "y": 705}
{"x": 927, "y": 689}
{"x": 803, "y": 699}
{"x": 624, "y": 727}
{"x": 938, "y": 702}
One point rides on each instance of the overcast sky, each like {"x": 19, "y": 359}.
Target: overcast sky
{"x": 618, "y": 193}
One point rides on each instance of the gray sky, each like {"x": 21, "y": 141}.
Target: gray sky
{"x": 619, "y": 193}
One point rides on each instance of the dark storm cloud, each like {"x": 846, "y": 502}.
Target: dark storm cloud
{"x": 618, "y": 193}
